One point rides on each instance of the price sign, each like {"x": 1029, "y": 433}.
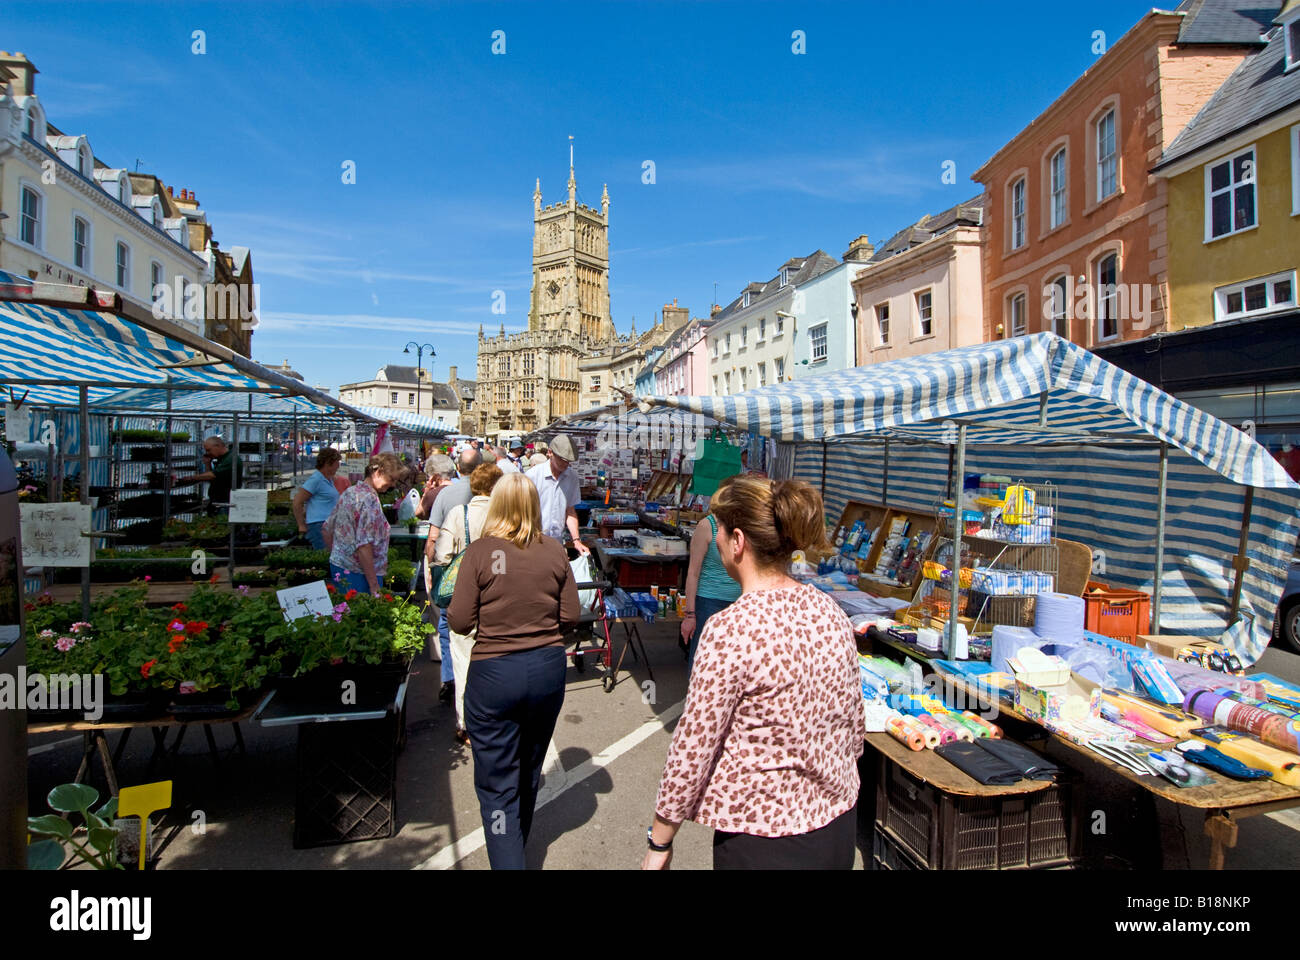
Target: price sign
{"x": 18, "y": 423}
{"x": 247, "y": 506}
{"x": 305, "y": 600}
{"x": 52, "y": 534}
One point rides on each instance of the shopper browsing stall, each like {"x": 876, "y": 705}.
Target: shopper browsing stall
{"x": 457, "y": 494}
{"x": 356, "y": 533}
{"x": 559, "y": 492}
{"x": 315, "y": 499}
{"x": 766, "y": 749}
{"x": 516, "y": 589}
{"x": 709, "y": 587}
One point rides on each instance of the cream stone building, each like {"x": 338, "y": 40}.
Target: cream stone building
{"x": 526, "y": 380}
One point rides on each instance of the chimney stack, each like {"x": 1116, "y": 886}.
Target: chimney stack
{"x": 860, "y": 250}
{"x": 451, "y": 374}
{"x": 169, "y": 191}
{"x": 24, "y": 71}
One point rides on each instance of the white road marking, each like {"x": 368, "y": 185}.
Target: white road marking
{"x": 43, "y": 748}
{"x": 459, "y": 849}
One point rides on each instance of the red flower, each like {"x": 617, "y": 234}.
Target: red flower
{"x": 350, "y": 595}
{"x": 180, "y": 608}
{"x": 29, "y": 606}
{"x": 195, "y": 627}
{"x": 175, "y": 643}
{"x": 331, "y": 588}
{"x": 215, "y": 578}
{"x": 144, "y": 670}
{"x": 388, "y": 598}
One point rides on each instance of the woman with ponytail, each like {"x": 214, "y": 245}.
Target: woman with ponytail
{"x": 766, "y": 749}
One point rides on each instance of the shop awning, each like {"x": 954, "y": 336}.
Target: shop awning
{"x": 153, "y": 401}
{"x": 411, "y": 422}
{"x": 1039, "y": 389}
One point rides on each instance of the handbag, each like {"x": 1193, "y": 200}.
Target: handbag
{"x": 447, "y": 582}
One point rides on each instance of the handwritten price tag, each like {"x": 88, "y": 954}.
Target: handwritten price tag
{"x": 52, "y": 534}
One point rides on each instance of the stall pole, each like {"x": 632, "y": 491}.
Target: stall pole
{"x": 236, "y": 481}
{"x": 1240, "y": 562}
{"x": 1160, "y": 538}
{"x": 167, "y": 458}
{"x": 83, "y": 411}
{"x": 950, "y": 642}
{"x": 823, "y": 469}
{"x": 884, "y": 479}
{"x": 293, "y": 445}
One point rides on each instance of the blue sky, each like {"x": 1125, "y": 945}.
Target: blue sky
{"x": 760, "y": 154}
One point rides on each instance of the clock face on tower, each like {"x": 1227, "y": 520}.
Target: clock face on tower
{"x": 553, "y": 289}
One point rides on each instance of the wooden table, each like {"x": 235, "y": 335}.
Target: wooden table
{"x": 928, "y": 767}
{"x": 1224, "y": 801}
{"x": 95, "y": 737}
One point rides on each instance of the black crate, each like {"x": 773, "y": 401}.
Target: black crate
{"x": 941, "y": 831}
{"x": 347, "y": 782}
{"x": 887, "y": 854}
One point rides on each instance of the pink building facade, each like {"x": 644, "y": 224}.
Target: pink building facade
{"x": 683, "y": 369}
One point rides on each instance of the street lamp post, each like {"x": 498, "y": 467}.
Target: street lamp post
{"x": 419, "y": 366}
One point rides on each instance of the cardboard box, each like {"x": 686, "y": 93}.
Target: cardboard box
{"x": 1168, "y": 645}
{"x": 1072, "y": 699}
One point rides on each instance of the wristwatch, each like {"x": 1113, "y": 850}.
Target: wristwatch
{"x": 656, "y": 847}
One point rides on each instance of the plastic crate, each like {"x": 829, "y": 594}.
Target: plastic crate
{"x": 347, "y": 782}
{"x": 939, "y": 831}
{"x": 886, "y": 854}
{"x": 635, "y": 575}
{"x": 1115, "y": 612}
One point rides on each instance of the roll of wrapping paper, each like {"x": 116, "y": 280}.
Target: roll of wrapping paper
{"x": 1165, "y": 719}
{"x": 995, "y": 732}
{"x": 946, "y": 736}
{"x": 1226, "y": 711}
{"x": 928, "y": 735}
{"x": 957, "y": 730}
{"x": 903, "y": 734}
{"x": 956, "y": 720}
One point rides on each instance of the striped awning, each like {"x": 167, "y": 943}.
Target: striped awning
{"x": 410, "y": 421}
{"x": 261, "y": 405}
{"x": 1039, "y": 389}
{"x": 50, "y": 351}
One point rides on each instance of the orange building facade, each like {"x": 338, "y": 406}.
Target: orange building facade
{"x": 1076, "y": 238}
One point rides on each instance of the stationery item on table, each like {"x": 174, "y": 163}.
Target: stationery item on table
{"x": 1198, "y": 751}
{"x": 1224, "y": 709}
{"x": 1007, "y": 641}
{"x": 928, "y": 639}
{"x": 977, "y": 731}
{"x": 904, "y": 734}
{"x": 1172, "y": 722}
{"x": 1115, "y": 754}
{"x": 1029, "y": 764}
{"x": 928, "y": 734}
{"x": 994, "y": 731}
{"x": 1173, "y": 768}
{"x": 1189, "y": 676}
{"x": 959, "y": 730}
{"x": 1157, "y": 683}
{"x": 1085, "y": 729}
{"x": 1059, "y": 617}
{"x": 1115, "y": 715}
{"x": 1283, "y": 767}
{"x": 979, "y": 764}
{"x": 945, "y": 735}
{"x": 874, "y": 686}
{"x": 1277, "y": 690}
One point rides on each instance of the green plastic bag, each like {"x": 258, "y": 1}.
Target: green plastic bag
{"x": 718, "y": 460}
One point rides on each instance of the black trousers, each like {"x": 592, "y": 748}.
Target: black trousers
{"x": 511, "y": 705}
{"x": 826, "y": 848}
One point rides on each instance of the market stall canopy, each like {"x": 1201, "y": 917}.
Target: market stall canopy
{"x": 600, "y": 419}
{"x": 153, "y": 401}
{"x": 1037, "y": 389}
{"x": 410, "y": 422}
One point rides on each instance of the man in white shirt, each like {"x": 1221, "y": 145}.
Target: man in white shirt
{"x": 514, "y": 459}
{"x": 559, "y": 492}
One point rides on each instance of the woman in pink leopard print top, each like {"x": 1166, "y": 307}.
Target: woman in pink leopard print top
{"x": 766, "y": 750}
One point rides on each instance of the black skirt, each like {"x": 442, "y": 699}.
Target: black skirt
{"x": 826, "y": 848}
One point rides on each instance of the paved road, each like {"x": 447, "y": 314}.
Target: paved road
{"x": 598, "y": 794}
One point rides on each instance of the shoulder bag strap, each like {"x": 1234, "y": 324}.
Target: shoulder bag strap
{"x": 468, "y": 539}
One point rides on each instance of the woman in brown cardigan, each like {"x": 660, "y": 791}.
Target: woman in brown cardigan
{"x": 516, "y": 589}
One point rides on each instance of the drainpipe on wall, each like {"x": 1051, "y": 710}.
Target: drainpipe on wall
{"x": 6, "y": 147}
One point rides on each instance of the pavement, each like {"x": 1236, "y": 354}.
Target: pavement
{"x": 598, "y": 792}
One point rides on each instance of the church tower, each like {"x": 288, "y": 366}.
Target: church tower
{"x": 571, "y": 266}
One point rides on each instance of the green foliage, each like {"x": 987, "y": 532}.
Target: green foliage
{"x": 290, "y": 558}
{"x": 99, "y": 845}
{"x": 147, "y": 436}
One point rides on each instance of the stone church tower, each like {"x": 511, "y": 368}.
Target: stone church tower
{"x": 526, "y": 380}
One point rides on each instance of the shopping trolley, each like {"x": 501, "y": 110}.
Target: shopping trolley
{"x": 587, "y": 629}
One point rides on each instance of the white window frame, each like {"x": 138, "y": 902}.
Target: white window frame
{"x": 1059, "y": 199}
{"x": 1221, "y": 295}
{"x": 1113, "y": 156}
{"x": 1100, "y": 299}
{"x": 156, "y": 213}
{"x": 34, "y": 124}
{"x": 785, "y": 276}
{"x": 38, "y": 238}
{"x": 85, "y": 161}
{"x": 780, "y": 369}
{"x": 746, "y": 298}
{"x": 818, "y": 334}
{"x": 744, "y": 337}
{"x": 1231, "y": 191}
{"x": 1059, "y": 313}
{"x": 921, "y": 318}
{"x": 762, "y": 329}
{"x": 762, "y": 373}
{"x": 88, "y": 265}
{"x": 882, "y": 333}
{"x": 780, "y": 327}
{"x": 726, "y": 346}
{"x": 1292, "y": 31}
{"x": 156, "y": 267}
{"x": 392, "y": 397}
{"x": 1018, "y": 303}
{"x": 1019, "y": 213}
{"x": 726, "y": 379}
{"x": 410, "y": 399}
{"x": 121, "y": 269}
{"x": 744, "y": 379}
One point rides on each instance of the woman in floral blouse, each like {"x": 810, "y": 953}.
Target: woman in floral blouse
{"x": 766, "y": 750}
{"x": 357, "y": 531}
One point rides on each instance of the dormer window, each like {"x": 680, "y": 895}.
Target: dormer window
{"x": 1292, "y": 43}
{"x": 85, "y": 162}
{"x": 785, "y": 276}
{"x": 746, "y": 299}
{"x": 157, "y": 214}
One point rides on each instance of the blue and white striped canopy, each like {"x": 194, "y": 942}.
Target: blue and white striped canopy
{"x": 262, "y": 405}
{"x": 412, "y": 422}
{"x": 61, "y": 348}
{"x": 998, "y": 390}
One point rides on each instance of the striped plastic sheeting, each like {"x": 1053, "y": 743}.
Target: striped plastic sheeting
{"x": 1107, "y": 499}
{"x": 996, "y": 388}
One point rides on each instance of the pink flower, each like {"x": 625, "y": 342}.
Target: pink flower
{"x": 176, "y": 626}
{"x": 46, "y": 634}
{"x": 65, "y": 643}
{"x": 243, "y": 588}
{"x": 147, "y": 578}
{"x": 341, "y": 608}
{"x": 79, "y": 626}
{"x": 337, "y": 616}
